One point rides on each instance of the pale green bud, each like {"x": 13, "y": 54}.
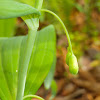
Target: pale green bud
{"x": 73, "y": 64}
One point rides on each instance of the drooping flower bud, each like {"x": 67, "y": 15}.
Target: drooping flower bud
{"x": 73, "y": 64}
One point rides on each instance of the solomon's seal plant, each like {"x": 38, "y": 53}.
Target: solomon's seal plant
{"x": 25, "y": 61}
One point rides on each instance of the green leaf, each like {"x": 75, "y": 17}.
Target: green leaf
{"x": 49, "y": 78}
{"x": 41, "y": 60}
{"x": 29, "y": 2}
{"x": 12, "y": 9}
{"x": 9, "y": 58}
{"x": 7, "y": 27}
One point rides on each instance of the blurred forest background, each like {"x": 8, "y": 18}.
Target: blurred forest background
{"x": 82, "y": 19}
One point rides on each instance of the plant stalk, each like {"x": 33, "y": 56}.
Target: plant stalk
{"x": 27, "y": 54}
{"x": 24, "y": 64}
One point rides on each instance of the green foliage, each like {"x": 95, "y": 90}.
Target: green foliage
{"x": 10, "y": 57}
{"x": 19, "y": 53}
{"x": 12, "y": 9}
{"x": 7, "y": 27}
{"x": 49, "y": 78}
{"x": 29, "y": 2}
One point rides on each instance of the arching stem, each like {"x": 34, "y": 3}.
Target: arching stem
{"x": 64, "y": 27}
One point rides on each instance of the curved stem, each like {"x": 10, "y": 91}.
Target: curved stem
{"x": 32, "y": 96}
{"x": 64, "y": 27}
